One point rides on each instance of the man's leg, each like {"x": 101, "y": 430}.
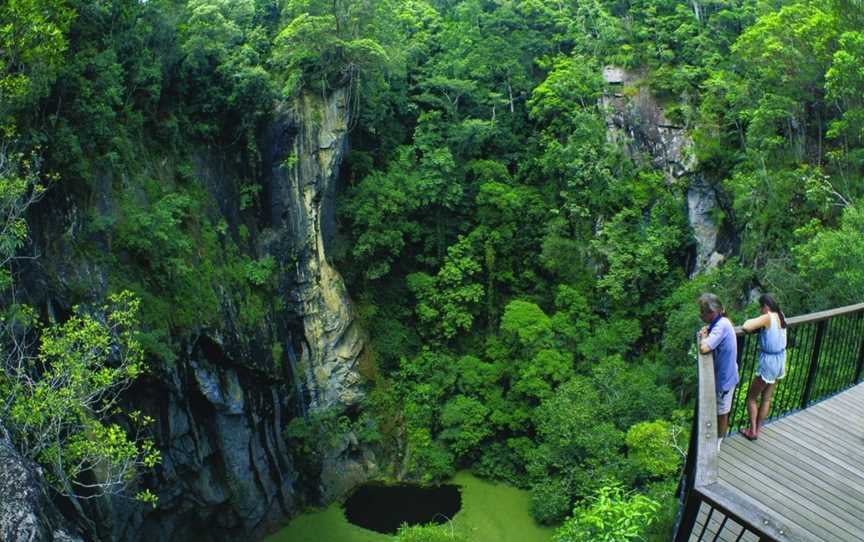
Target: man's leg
{"x": 722, "y": 424}
{"x": 724, "y": 406}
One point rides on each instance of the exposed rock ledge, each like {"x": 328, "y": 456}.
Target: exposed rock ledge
{"x": 309, "y": 145}
{"x": 636, "y": 121}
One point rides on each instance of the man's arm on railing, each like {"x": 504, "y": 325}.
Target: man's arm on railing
{"x": 709, "y": 341}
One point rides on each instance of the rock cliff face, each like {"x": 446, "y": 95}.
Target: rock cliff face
{"x": 701, "y": 207}
{"x": 222, "y": 408}
{"x": 636, "y": 121}
{"x": 26, "y": 514}
{"x": 304, "y": 174}
{"x": 308, "y": 147}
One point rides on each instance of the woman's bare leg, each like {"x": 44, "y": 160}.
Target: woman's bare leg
{"x": 765, "y": 405}
{"x": 756, "y": 388}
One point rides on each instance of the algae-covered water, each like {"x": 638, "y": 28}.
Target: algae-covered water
{"x": 490, "y": 513}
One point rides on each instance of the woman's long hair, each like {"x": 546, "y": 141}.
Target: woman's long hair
{"x": 766, "y": 300}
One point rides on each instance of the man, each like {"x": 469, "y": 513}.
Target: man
{"x": 719, "y": 337}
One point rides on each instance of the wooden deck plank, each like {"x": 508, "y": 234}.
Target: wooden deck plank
{"x": 843, "y": 413}
{"x": 854, "y": 392}
{"x": 840, "y": 403}
{"x": 827, "y": 426}
{"x": 807, "y": 469}
{"x": 816, "y": 426}
{"x": 821, "y": 456}
{"x": 838, "y": 453}
{"x": 849, "y": 400}
{"x": 781, "y": 485}
{"x": 807, "y": 459}
{"x": 730, "y": 530}
{"x": 818, "y": 523}
{"x": 852, "y": 402}
{"x": 710, "y": 532}
{"x": 799, "y": 470}
{"x": 825, "y": 491}
{"x": 776, "y": 526}
{"x": 837, "y": 415}
{"x": 819, "y": 453}
{"x": 801, "y": 512}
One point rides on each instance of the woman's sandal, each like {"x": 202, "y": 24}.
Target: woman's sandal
{"x": 749, "y": 434}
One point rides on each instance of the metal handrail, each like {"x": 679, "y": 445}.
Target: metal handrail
{"x": 814, "y": 317}
{"x": 700, "y": 482}
{"x": 825, "y": 355}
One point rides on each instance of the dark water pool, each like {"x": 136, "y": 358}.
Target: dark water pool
{"x": 384, "y": 508}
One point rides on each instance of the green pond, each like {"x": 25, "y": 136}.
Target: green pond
{"x": 490, "y": 512}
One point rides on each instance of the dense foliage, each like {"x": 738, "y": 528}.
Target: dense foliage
{"x": 610, "y": 516}
{"x": 60, "y": 384}
{"x": 524, "y": 277}
{"x": 552, "y": 313}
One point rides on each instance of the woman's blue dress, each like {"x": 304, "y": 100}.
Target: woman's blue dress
{"x": 772, "y": 351}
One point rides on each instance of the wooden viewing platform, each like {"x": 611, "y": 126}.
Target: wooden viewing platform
{"x": 806, "y": 471}
{"x": 803, "y": 479}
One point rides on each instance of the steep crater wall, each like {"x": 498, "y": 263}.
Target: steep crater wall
{"x": 222, "y": 406}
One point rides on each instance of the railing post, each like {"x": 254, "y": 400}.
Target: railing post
{"x": 688, "y": 517}
{"x": 690, "y": 502}
{"x": 860, "y": 366}
{"x": 814, "y": 362}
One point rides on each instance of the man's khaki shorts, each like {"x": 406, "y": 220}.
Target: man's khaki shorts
{"x": 724, "y": 401}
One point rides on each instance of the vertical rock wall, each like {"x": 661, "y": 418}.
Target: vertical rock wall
{"x": 308, "y": 148}
{"x": 305, "y": 169}
{"x": 26, "y": 514}
{"x": 222, "y": 407}
{"x": 637, "y": 122}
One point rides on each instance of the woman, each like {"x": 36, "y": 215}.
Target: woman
{"x": 772, "y": 361}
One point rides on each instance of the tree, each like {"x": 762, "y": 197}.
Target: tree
{"x": 429, "y": 533}
{"x": 538, "y": 363}
{"x": 465, "y": 424}
{"x": 573, "y": 83}
{"x": 423, "y": 384}
{"x": 578, "y": 446}
{"x": 657, "y": 448}
{"x": 831, "y": 261}
{"x": 32, "y": 43}
{"x": 610, "y": 515}
{"x": 61, "y": 384}
{"x": 227, "y": 89}
{"x": 785, "y": 56}
{"x": 448, "y": 302}
{"x": 381, "y": 207}
{"x": 844, "y": 80}
{"x": 21, "y": 185}
{"x": 322, "y": 47}
{"x": 61, "y": 405}
{"x": 636, "y": 254}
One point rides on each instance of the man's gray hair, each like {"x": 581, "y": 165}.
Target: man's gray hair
{"x": 710, "y": 303}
